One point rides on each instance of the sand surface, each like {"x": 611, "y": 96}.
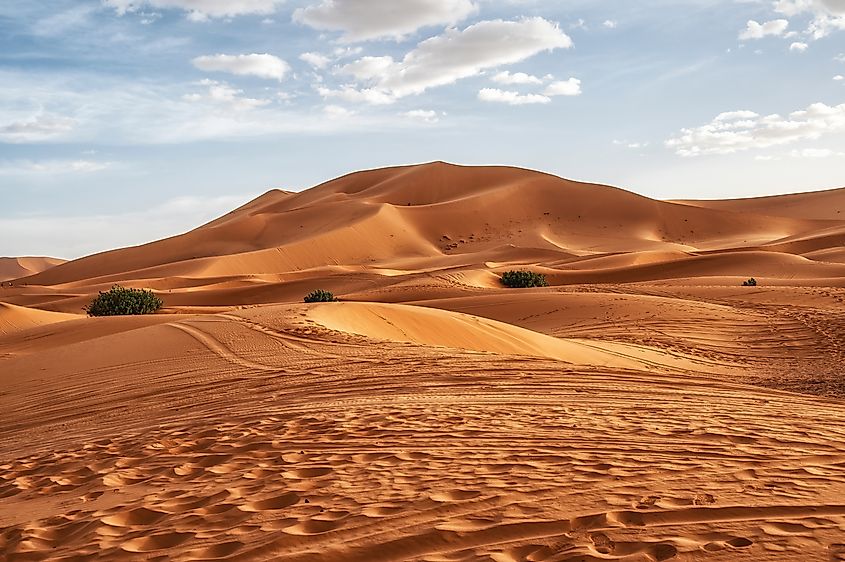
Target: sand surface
{"x": 644, "y": 407}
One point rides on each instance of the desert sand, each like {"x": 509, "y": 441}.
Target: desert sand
{"x": 643, "y": 407}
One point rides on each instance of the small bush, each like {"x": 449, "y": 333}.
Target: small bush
{"x": 521, "y": 279}
{"x": 119, "y": 301}
{"x": 750, "y": 283}
{"x": 320, "y": 296}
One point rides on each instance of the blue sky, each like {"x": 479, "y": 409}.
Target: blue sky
{"x": 123, "y": 121}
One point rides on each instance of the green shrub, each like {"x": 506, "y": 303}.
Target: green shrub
{"x": 521, "y": 279}
{"x": 319, "y": 296}
{"x": 750, "y": 283}
{"x": 120, "y": 301}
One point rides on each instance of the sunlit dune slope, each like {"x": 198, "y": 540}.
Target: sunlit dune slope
{"x": 428, "y": 326}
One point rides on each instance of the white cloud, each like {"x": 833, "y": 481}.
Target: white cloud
{"x": 610, "y": 24}
{"x": 814, "y": 153}
{"x": 755, "y": 30}
{"x": 743, "y": 130}
{"x": 316, "y": 60}
{"x": 839, "y": 78}
{"x": 458, "y": 54}
{"x": 41, "y": 127}
{"x": 828, "y": 15}
{"x": 798, "y": 47}
{"x": 337, "y": 112}
{"x": 506, "y": 77}
{"x": 363, "y": 20}
{"x": 224, "y": 94}
{"x": 115, "y": 111}
{"x": 261, "y": 65}
{"x": 51, "y": 167}
{"x": 200, "y": 10}
{"x": 424, "y": 115}
{"x": 631, "y": 145}
{"x": 351, "y": 94}
{"x": 511, "y": 98}
{"x": 571, "y": 87}
{"x": 839, "y": 58}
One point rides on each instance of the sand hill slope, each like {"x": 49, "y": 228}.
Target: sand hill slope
{"x": 13, "y": 268}
{"x": 428, "y": 214}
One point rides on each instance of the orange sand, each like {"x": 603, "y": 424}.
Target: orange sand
{"x": 644, "y": 407}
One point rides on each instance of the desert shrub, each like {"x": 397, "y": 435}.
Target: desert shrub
{"x": 319, "y": 296}
{"x": 521, "y": 279}
{"x": 119, "y": 301}
{"x": 750, "y": 283}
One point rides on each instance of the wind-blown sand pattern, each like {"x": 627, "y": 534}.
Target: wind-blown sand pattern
{"x": 644, "y": 407}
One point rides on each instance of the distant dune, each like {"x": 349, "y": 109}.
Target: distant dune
{"x": 643, "y": 407}
{"x": 12, "y": 268}
{"x": 378, "y": 227}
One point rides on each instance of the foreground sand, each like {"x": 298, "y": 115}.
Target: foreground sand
{"x": 660, "y": 412}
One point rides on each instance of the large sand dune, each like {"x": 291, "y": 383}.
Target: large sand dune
{"x": 645, "y": 407}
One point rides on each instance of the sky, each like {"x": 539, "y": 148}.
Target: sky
{"x": 125, "y": 121}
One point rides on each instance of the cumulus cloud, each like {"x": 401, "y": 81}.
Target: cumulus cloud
{"x": 828, "y": 15}
{"x": 199, "y": 10}
{"x": 260, "y": 65}
{"x": 571, "y": 87}
{"x": 610, "y": 24}
{"x": 798, "y": 47}
{"x": 458, "y": 54}
{"x": 423, "y": 115}
{"x": 38, "y": 128}
{"x": 511, "y": 98}
{"x": 506, "y": 77}
{"x": 794, "y": 7}
{"x": 756, "y": 30}
{"x": 224, "y": 94}
{"x": 337, "y": 112}
{"x": 743, "y": 130}
{"x": 363, "y": 20}
{"x": 631, "y": 145}
{"x": 316, "y": 60}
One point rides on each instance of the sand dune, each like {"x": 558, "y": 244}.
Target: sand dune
{"x": 829, "y": 205}
{"x": 644, "y": 407}
{"x": 13, "y": 268}
{"x": 16, "y": 318}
